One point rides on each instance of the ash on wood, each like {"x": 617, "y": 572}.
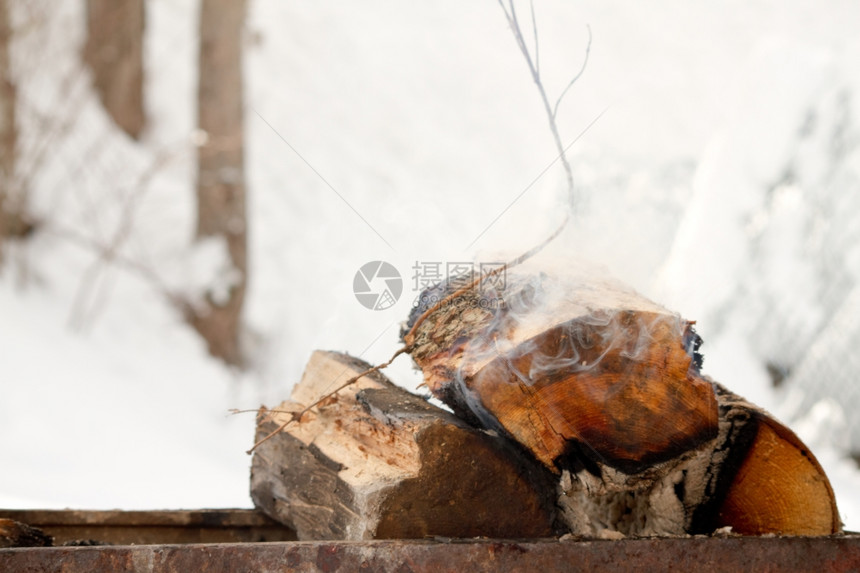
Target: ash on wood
{"x": 375, "y": 461}
{"x": 603, "y": 387}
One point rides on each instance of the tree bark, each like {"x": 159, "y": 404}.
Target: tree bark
{"x": 375, "y": 461}
{"x": 220, "y": 167}
{"x": 114, "y": 53}
{"x": 8, "y": 131}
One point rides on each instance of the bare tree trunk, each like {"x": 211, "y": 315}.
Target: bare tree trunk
{"x": 114, "y": 53}
{"x": 220, "y": 165}
{"x": 8, "y": 133}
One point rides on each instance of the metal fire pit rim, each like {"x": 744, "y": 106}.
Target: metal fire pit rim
{"x": 830, "y": 554}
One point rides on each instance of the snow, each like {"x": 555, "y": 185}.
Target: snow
{"x": 721, "y": 180}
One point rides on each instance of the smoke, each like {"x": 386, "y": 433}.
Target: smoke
{"x": 567, "y": 354}
{"x": 591, "y": 316}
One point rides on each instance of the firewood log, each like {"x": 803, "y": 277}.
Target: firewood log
{"x": 374, "y": 461}
{"x": 588, "y": 364}
{"x": 603, "y": 387}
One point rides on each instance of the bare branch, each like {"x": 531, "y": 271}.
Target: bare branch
{"x": 514, "y": 24}
{"x": 576, "y": 77}
{"x": 505, "y": 10}
{"x": 535, "y": 34}
{"x": 107, "y": 254}
{"x": 533, "y": 64}
{"x": 551, "y": 111}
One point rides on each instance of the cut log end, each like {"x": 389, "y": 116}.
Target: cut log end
{"x": 779, "y": 488}
{"x": 627, "y": 410}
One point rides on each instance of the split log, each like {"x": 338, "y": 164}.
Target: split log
{"x": 603, "y": 387}
{"x": 375, "y": 461}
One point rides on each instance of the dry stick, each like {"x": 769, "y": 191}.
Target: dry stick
{"x": 54, "y": 127}
{"x": 143, "y": 271}
{"x": 551, "y": 111}
{"x": 576, "y": 77}
{"x": 88, "y": 284}
{"x": 297, "y": 416}
{"x": 534, "y": 67}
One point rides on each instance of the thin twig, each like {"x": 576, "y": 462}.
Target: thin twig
{"x": 576, "y": 77}
{"x": 296, "y": 416}
{"x": 533, "y": 64}
{"x": 551, "y": 111}
{"x": 122, "y": 233}
{"x": 508, "y": 265}
{"x": 535, "y": 34}
{"x": 534, "y": 68}
{"x": 233, "y": 411}
{"x": 143, "y": 271}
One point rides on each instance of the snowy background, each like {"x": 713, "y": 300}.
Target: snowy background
{"x": 721, "y": 180}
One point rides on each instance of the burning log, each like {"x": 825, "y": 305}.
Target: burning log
{"x": 602, "y": 386}
{"x": 374, "y": 461}
{"x": 586, "y": 363}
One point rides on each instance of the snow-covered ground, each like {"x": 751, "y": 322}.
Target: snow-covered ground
{"x": 720, "y": 179}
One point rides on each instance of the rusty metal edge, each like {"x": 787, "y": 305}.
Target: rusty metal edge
{"x": 119, "y": 527}
{"x": 824, "y": 554}
{"x": 176, "y": 518}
